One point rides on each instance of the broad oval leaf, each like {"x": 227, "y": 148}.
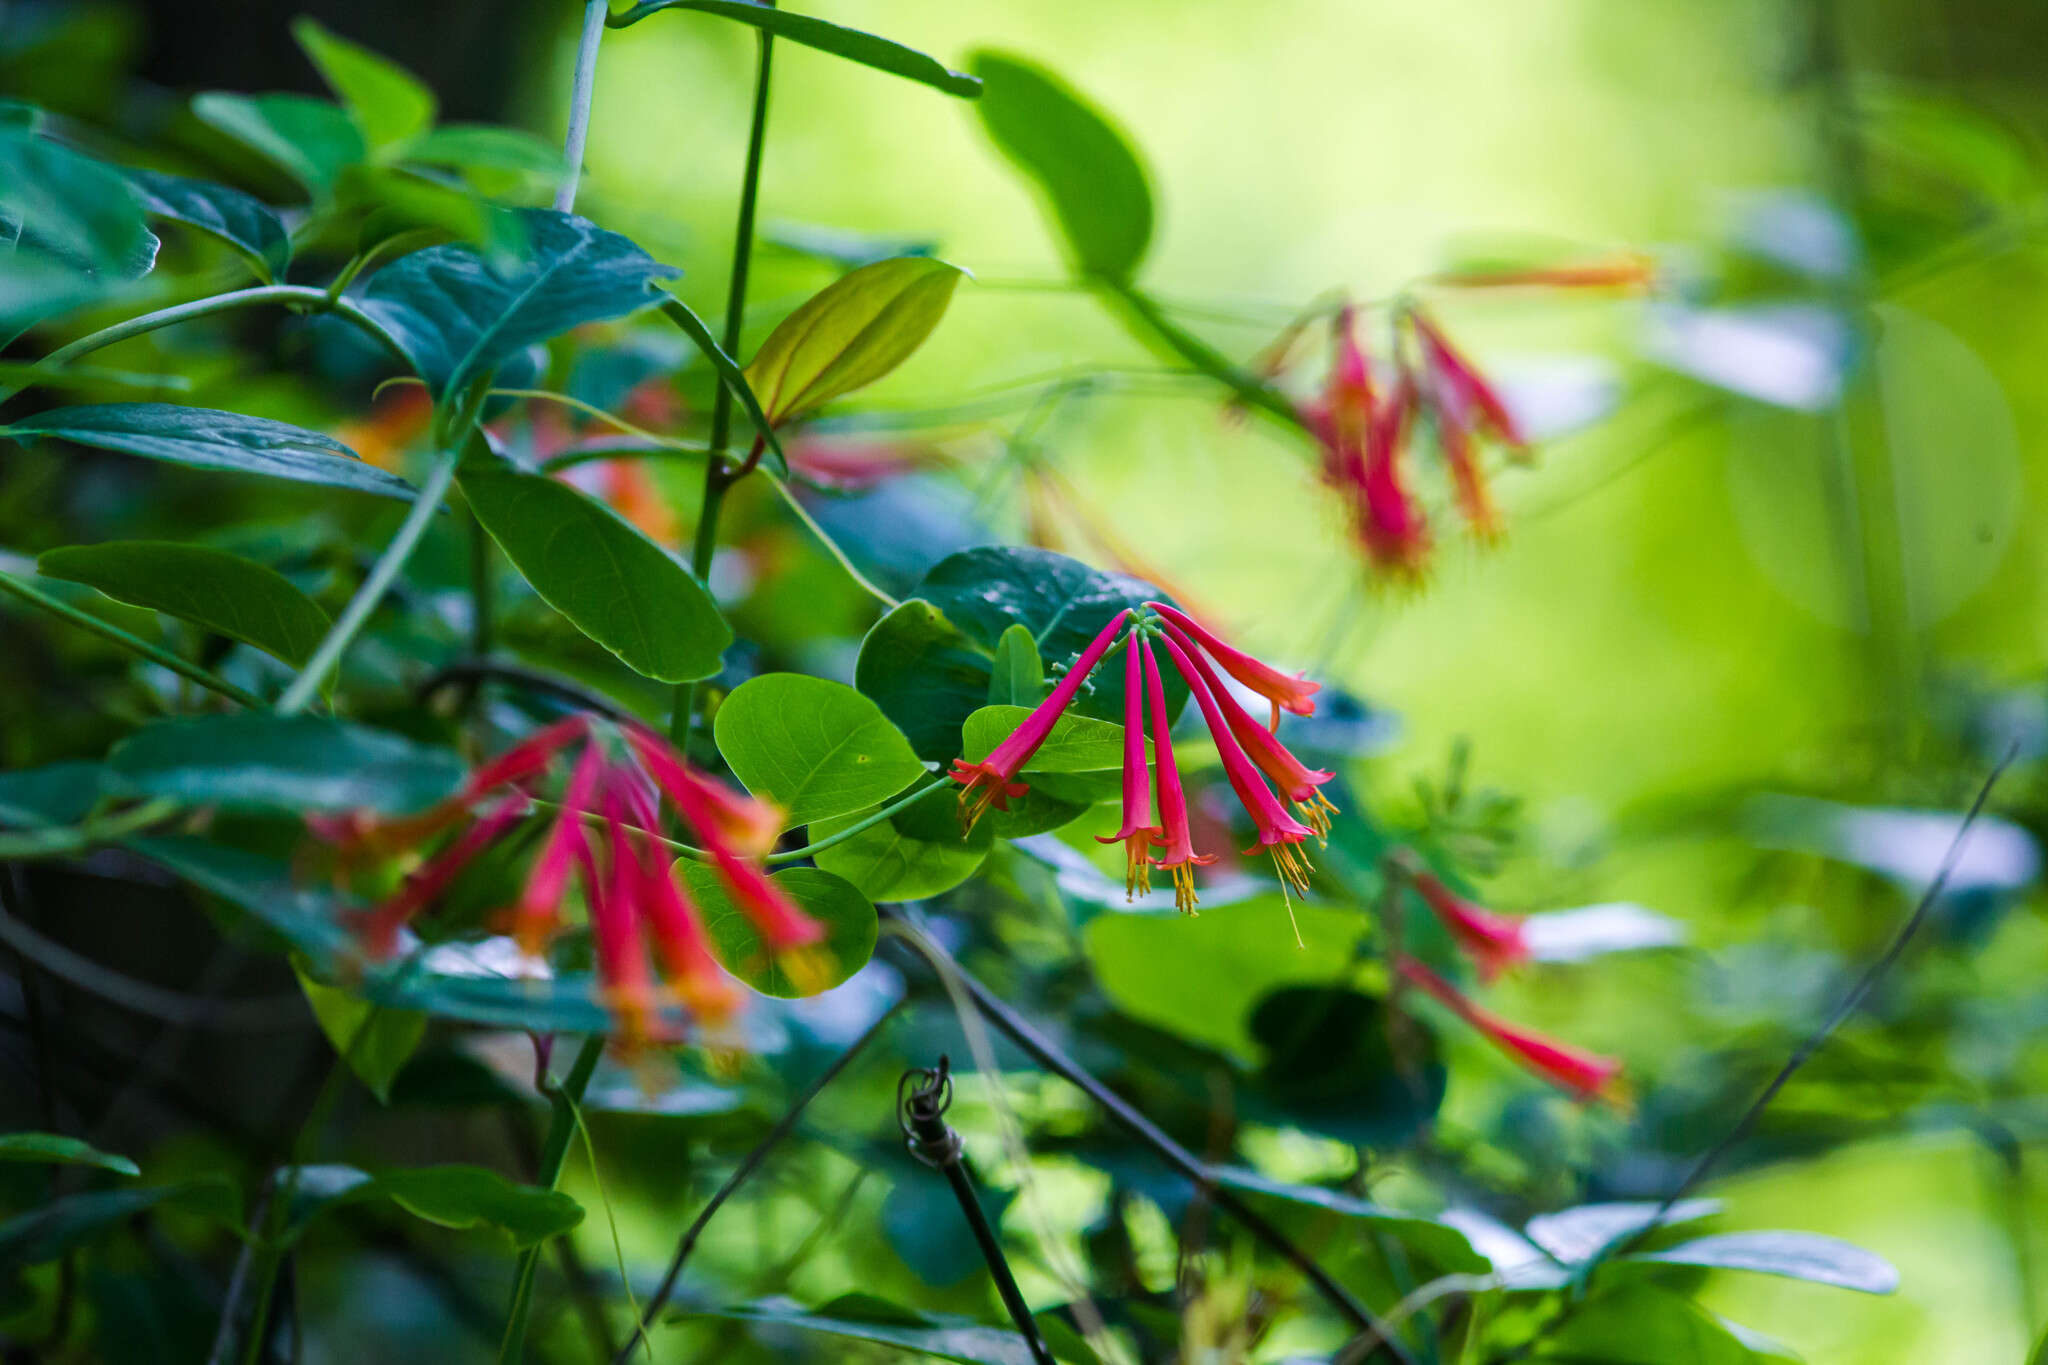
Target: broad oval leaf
{"x": 850, "y": 334}
{"x": 1092, "y": 180}
{"x": 54, "y": 794}
{"x": 458, "y": 312}
{"x": 459, "y": 1197}
{"x": 202, "y": 438}
{"x": 486, "y": 147}
{"x": 225, "y": 593}
{"x": 386, "y": 101}
{"x": 376, "y": 1042}
{"x": 925, "y": 674}
{"x": 254, "y": 761}
{"x": 1795, "y": 1255}
{"x": 241, "y": 220}
{"x": 311, "y": 140}
{"x": 1018, "y": 674}
{"x": 612, "y": 582}
{"x": 57, "y": 1150}
{"x": 880, "y": 53}
{"x": 48, "y": 1232}
{"x": 848, "y": 918}
{"x": 1582, "y": 1232}
{"x": 814, "y": 747}
{"x": 915, "y": 853}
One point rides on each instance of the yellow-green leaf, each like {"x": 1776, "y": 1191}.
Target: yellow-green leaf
{"x": 850, "y": 334}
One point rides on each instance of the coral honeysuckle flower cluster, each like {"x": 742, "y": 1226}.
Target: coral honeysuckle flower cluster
{"x": 1252, "y": 754}
{"x": 1369, "y": 409}
{"x": 604, "y": 835}
{"x": 1494, "y": 944}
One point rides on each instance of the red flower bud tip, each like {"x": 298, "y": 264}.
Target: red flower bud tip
{"x": 1583, "y": 1075}
{"x": 993, "y": 780}
{"x": 1278, "y": 832}
{"x": 1137, "y": 833}
{"x": 1288, "y": 692}
{"x": 749, "y": 825}
{"x": 1180, "y": 859}
{"x": 1493, "y": 942}
{"x": 1468, "y": 479}
{"x": 1296, "y": 780}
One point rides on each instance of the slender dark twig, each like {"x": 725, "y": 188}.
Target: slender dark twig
{"x": 748, "y": 1164}
{"x": 1048, "y": 1055}
{"x": 532, "y": 679}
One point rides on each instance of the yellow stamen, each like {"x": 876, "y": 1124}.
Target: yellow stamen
{"x": 1184, "y": 897}
{"x": 1137, "y": 868}
{"x": 1293, "y": 868}
{"x": 1315, "y": 813}
{"x": 974, "y": 803}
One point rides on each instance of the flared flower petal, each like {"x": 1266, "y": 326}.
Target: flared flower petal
{"x": 1287, "y": 691}
{"x": 1583, "y": 1075}
{"x": 1493, "y": 942}
{"x": 993, "y": 781}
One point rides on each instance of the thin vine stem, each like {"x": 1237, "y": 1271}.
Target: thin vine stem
{"x": 579, "y": 103}
{"x": 562, "y": 1123}
{"x": 354, "y": 616}
{"x": 113, "y": 634}
{"x": 832, "y": 547}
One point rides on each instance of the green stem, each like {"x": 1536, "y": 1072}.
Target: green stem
{"x": 114, "y": 634}
{"x": 579, "y": 102}
{"x": 1140, "y": 308}
{"x": 374, "y": 587}
{"x": 481, "y": 630}
{"x": 716, "y": 476}
{"x": 554, "y": 1152}
{"x": 69, "y": 839}
{"x": 315, "y": 300}
{"x": 794, "y": 855}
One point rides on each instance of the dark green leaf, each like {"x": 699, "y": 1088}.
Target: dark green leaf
{"x": 63, "y": 1223}
{"x": 375, "y": 1041}
{"x": 1017, "y": 677}
{"x": 859, "y": 1318}
{"x": 612, "y": 582}
{"x": 55, "y": 794}
{"x": 916, "y": 852}
{"x": 459, "y": 313}
{"x": 305, "y": 917}
{"x": 852, "y": 44}
{"x": 72, "y": 210}
{"x": 1091, "y": 179}
{"x": 448, "y": 1196}
{"x": 1643, "y": 1325}
{"x": 57, "y": 1150}
{"x": 243, "y": 221}
{"x": 1331, "y": 1067}
{"x": 816, "y": 748}
{"x": 202, "y": 438}
{"x": 925, "y": 674}
{"x": 849, "y": 922}
{"x": 309, "y": 139}
{"x": 850, "y": 334}
{"x": 1795, "y": 1255}
{"x": 258, "y": 762}
{"x": 1077, "y": 744}
{"x": 225, "y": 593}
{"x": 387, "y": 103}
{"x": 729, "y": 374}
{"x": 485, "y": 146}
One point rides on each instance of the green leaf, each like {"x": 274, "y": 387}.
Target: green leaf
{"x": 852, "y": 44}
{"x": 458, "y": 313}
{"x": 590, "y": 564}
{"x": 225, "y": 593}
{"x": 375, "y": 1042}
{"x": 1586, "y": 1231}
{"x": 1090, "y": 177}
{"x": 1447, "y": 1248}
{"x": 311, "y": 140}
{"x": 1076, "y": 744}
{"x": 63, "y": 1223}
{"x": 1223, "y": 965}
{"x": 849, "y": 921}
{"x": 566, "y": 1003}
{"x": 1017, "y": 677}
{"x": 77, "y": 212}
{"x": 201, "y": 438}
{"x": 850, "y": 334}
{"x": 814, "y": 747}
{"x": 252, "y": 761}
{"x": 1643, "y": 1325}
{"x": 860, "y": 1317}
{"x": 54, "y": 794}
{"x": 916, "y": 852}
{"x": 305, "y": 917}
{"x": 57, "y": 1150}
{"x": 241, "y": 220}
{"x": 929, "y": 663}
{"x": 386, "y": 101}
{"x": 1332, "y": 1068}
{"x": 460, "y": 1197}
{"x": 732, "y": 376}
{"x": 486, "y": 147}
{"x": 1795, "y": 1255}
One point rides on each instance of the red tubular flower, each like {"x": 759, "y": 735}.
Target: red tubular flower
{"x": 618, "y": 944}
{"x": 1278, "y": 832}
{"x": 1583, "y": 1075}
{"x": 1137, "y": 833}
{"x": 1344, "y": 416}
{"x": 1180, "y": 859}
{"x": 1390, "y": 522}
{"x": 1621, "y": 272}
{"x": 746, "y": 823}
{"x": 993, "y": 781}
{"x": 1468, "y": 478}
{"x": 422, "y": 886}
{"x": 1493, "y": 942}
{"x": 1291, "y": 693}
{"x": 676, "y": 927}
{"x": 538, "y": 914}
{"x": 1463, "y": 379}
{"x": 1296, "y": 780}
